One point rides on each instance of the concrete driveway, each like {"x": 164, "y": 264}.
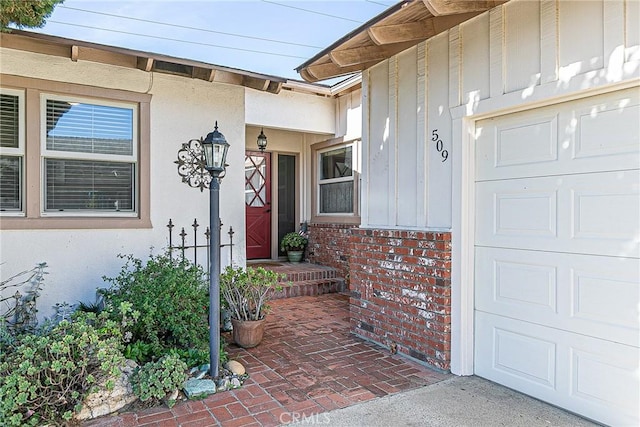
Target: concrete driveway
{"x": 457, "y": 401}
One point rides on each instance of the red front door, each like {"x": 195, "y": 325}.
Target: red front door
{"x": 257, "y": 196}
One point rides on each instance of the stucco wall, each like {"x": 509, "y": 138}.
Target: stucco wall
{"x": 181, "y": 109}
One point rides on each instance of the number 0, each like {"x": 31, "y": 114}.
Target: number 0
{"x": 439, "y": 145}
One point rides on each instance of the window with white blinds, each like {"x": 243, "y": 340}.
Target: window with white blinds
{"x": 11, "y": 151}
{"x": 89, "y": 156}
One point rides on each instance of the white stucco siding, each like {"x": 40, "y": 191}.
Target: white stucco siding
{"x": 181, "y": 109}
{"x": 291, "y": 110}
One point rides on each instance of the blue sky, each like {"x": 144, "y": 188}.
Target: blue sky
{"x": 268, "y": 36}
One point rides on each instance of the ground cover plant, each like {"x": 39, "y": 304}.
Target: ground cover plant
{"x": 154, "y": 312}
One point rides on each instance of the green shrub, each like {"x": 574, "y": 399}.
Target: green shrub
{"x": 45, "y": 378}
{"x": 172, "y": 299}
{"x": 155, "y": 379}
{"x": 195, "y": 357}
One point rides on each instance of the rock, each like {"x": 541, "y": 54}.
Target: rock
{"x": 200, "y": 375}
{"x": 223, "y": 384}
{"x": 235, "y": 383}
{"x": 170, "y": 399}
{"x": 194, "y": 388}
{"x": 104, "y": 401}
{"x": 205, "y": 367}
{"x": 235, "y": 367}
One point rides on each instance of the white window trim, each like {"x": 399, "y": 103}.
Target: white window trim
{"x": 351, "y": 178}
{"x": 45, "y": 153}
{"x": 17, "y": 152}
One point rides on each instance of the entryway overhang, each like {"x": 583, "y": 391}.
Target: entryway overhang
{"x": 398, "y": 28}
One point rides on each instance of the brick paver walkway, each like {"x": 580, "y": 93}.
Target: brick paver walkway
{"x": 307, "y": 364}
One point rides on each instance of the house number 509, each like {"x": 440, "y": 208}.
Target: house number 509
{"x": 439, "y": 145}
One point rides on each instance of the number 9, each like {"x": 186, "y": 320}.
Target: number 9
{"x": 445, "y": 155}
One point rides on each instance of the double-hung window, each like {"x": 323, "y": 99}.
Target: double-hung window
{"x": 73, "y": 156}
{"x": 11, "y": 152}
{"x": 89, "y": 156}
{"x": 336, "y": 189}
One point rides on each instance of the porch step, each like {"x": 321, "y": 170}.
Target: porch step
{"x": 303, "y": 278}
{"x": 310, "y": 288}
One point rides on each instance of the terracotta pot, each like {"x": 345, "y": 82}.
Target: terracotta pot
{"x": 248, "y": 333}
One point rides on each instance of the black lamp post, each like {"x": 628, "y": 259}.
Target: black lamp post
{"x": 215, "y": 148}
{"x": 262, "y": 140}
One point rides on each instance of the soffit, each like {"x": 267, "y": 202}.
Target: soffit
{"x": 400, "y": 27}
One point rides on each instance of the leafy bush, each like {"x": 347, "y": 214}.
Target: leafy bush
{"x": 155, "y": 379}
{"x": 45, "y": 378}
{"x": 246, "y": 292}
{"x": 293, "y": 242}
{"x": 172, "y": 299}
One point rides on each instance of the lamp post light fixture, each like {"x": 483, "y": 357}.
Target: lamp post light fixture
{"x": 262, "y": 140}
{"x": 215, "y": 148}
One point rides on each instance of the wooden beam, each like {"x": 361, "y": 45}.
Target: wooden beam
{"x": 397, "y": 33}
{"x": 253, "y": 83}
{"x": 274, "y": 87}
{"x": 145, "y": 64}
{"x": 74, "y": 53}
{"x": 365, "y": 54}
{"x": 451, "y": 7}
{"x": 227, "y": 77}
{"x": 314, "y": 73}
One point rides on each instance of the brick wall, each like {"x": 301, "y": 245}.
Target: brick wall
{"x": 401, "y": 292}
{"x": 329, "y": 245}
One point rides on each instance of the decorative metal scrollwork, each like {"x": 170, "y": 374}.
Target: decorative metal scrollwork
{"x": 192, "y": 166}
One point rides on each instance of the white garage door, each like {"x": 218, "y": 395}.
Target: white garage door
{"x": 557, "y": 254}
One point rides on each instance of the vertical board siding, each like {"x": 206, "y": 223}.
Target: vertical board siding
{"x": 475, "y": 59}
{"x": 378, "y": 191}
{"x": 581, "y": 37}
{"x": 632, "y": 30}
{"x": 500, "y": 58}
{"x": 522, "y": 45}
{"x": 438, "y": 119}
{"x": 407, "y": 143}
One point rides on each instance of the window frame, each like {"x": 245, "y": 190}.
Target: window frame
{"x": 76, "y": 155}
{"x": 316, "y": 152}
{"x": 17, "y": 152}
{"x": 33, "y": 216}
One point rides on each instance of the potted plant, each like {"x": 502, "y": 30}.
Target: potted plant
{"x": 293, "y": 244}
{"x": 246, "y": 293}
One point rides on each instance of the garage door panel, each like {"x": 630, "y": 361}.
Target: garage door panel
{"x": 595, "y": 378}
{"x": 595, "y": 213}
{"x": 584, "y": 294}
{"x": 604, "y": 131}
{"x": 593, "y": 135}
{"x": 557, "y": 254}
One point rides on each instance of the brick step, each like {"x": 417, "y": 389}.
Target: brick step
{"x": 310, "y": 288}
